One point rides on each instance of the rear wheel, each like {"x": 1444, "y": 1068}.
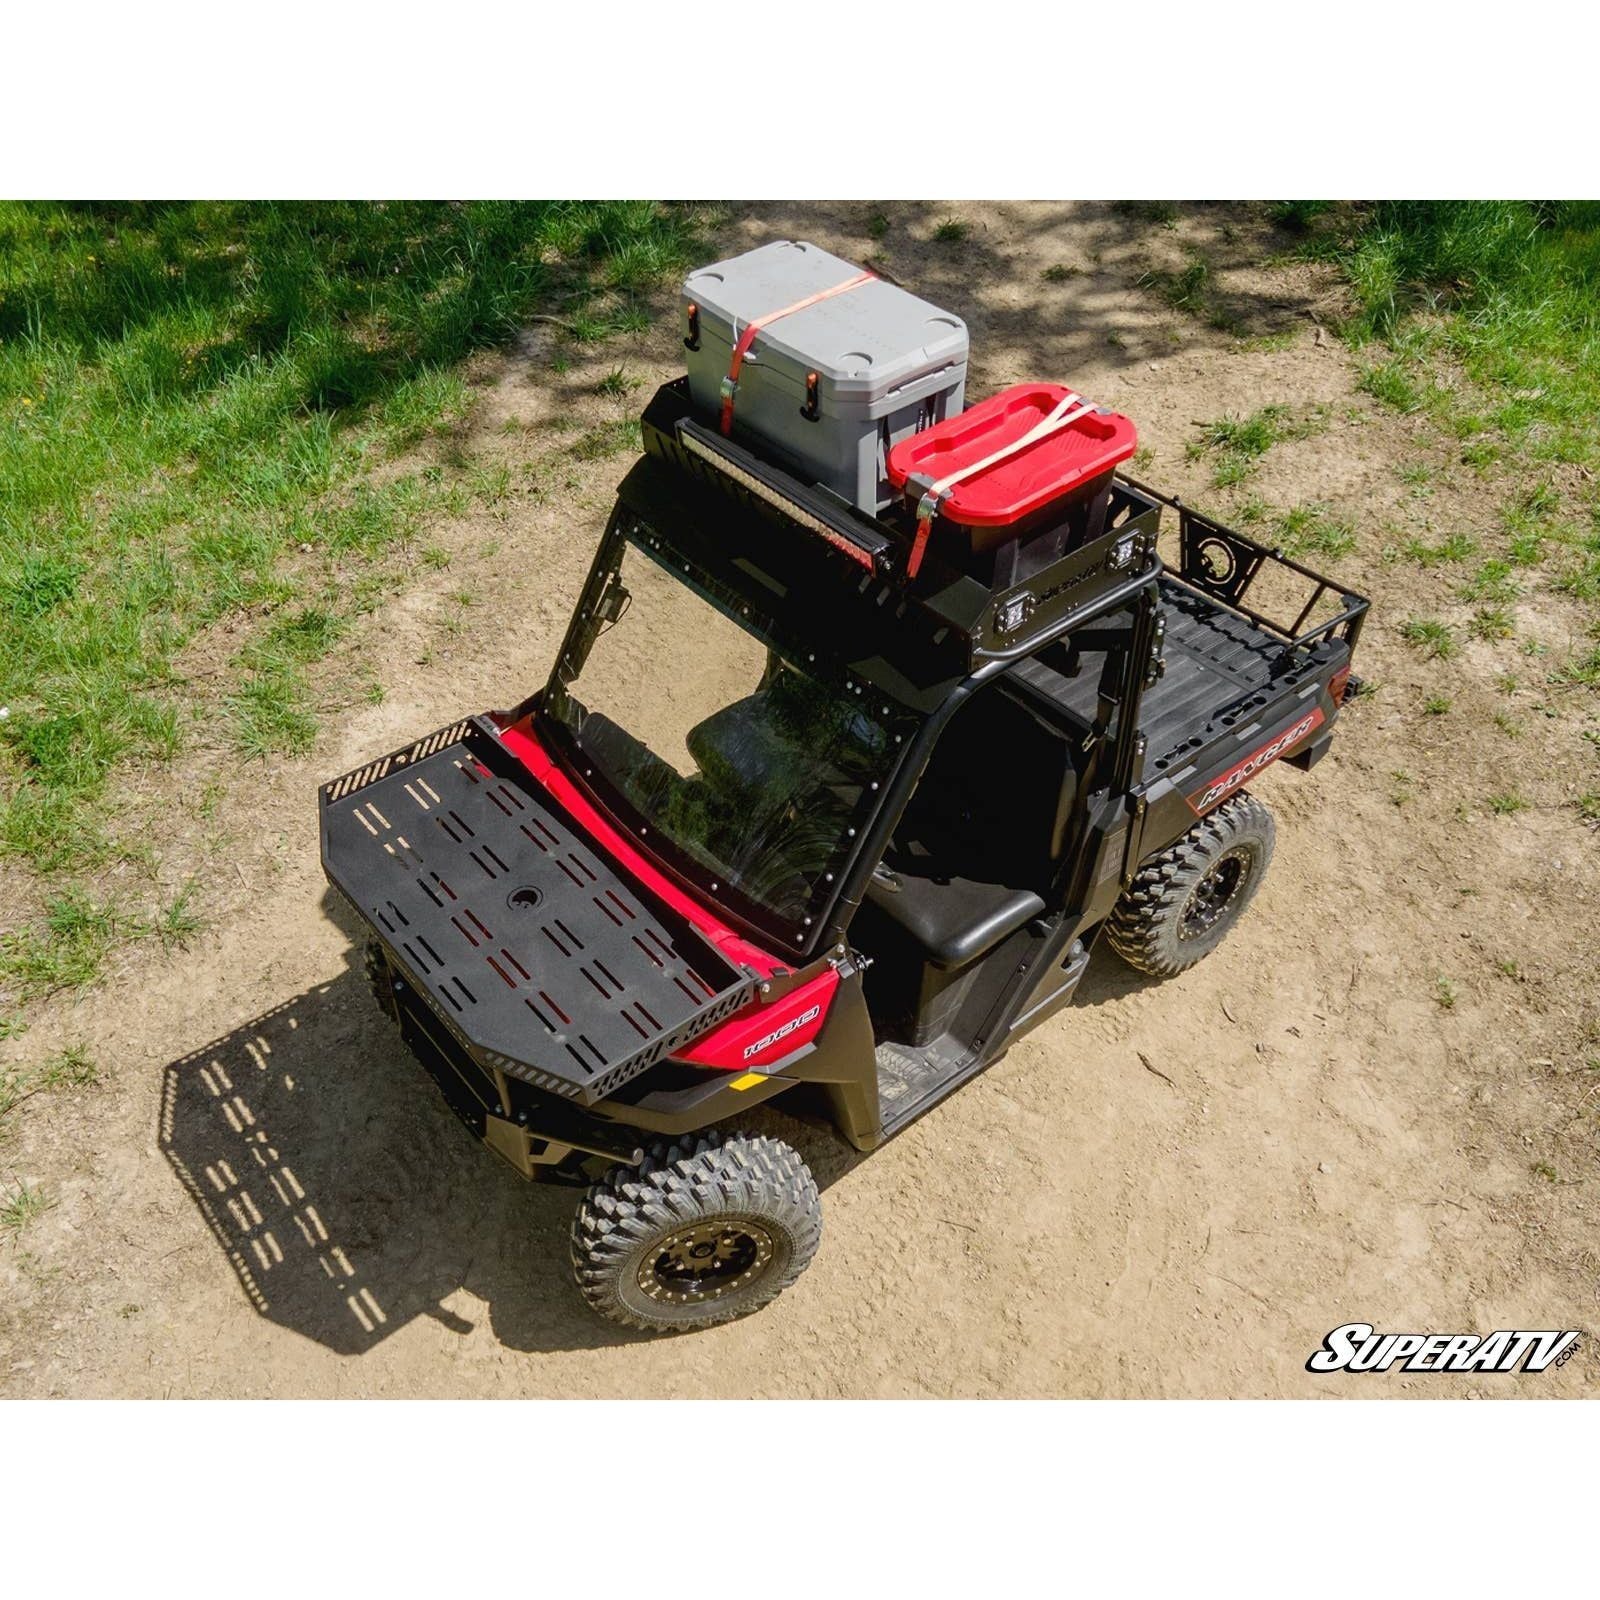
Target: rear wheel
{"x": 707, "y": 1229}
{"x": 1182, "y": 903}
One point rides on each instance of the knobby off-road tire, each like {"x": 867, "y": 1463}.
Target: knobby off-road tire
{"x": 1183, "y": 901}
{"x": 708, "y": 1228}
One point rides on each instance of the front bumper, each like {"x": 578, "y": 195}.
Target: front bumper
{"x": 544, "y": 1136}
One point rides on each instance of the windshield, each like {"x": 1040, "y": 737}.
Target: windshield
{"x": 758, "y": 773}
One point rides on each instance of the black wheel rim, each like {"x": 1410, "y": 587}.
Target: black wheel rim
{"x": 1215, "y": 895}
{"x": 705, "y": 1261}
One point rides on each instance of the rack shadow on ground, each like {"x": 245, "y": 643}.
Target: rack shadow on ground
{"x": 349, "y": 1201}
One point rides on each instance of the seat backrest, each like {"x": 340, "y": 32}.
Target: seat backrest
{"x": 995, "y": 799}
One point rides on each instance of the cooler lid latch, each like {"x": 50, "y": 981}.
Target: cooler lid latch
{"x": 810, "y": 410}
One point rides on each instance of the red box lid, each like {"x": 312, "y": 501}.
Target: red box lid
{"x": 1044, "y": 471}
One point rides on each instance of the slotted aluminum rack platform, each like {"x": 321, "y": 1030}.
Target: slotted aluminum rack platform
{"x": 541, "y": 959}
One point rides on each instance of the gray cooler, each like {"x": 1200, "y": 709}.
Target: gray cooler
{"x": 886, "y": 364}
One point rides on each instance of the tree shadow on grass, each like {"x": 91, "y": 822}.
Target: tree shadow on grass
{"x": 362, "y": 297}
{"x": 1108, "y": 285}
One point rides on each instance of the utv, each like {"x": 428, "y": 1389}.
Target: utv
{"x": 825, "y": 801}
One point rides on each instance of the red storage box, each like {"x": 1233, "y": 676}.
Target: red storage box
{"x": 1070, "y": 459}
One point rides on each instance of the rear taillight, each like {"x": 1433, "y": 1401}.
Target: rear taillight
{"x": 1338, "y": 682}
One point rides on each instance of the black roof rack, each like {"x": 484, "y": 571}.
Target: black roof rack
{"x": 994, "y": 622}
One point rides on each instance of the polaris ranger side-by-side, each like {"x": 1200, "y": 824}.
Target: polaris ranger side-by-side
{"x": 874, "y": 714}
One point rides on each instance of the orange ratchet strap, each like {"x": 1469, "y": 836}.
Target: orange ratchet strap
{"x": 730, "y": 384}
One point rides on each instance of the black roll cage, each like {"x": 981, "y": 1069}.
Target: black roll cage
{"x": 822, "y": 575}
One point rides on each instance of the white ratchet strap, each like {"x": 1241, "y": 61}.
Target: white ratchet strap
{"x": 1067, "y": 411}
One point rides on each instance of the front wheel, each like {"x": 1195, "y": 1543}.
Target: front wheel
{"x": 1182, "y": 902}
{"x": 707, "y": 1229}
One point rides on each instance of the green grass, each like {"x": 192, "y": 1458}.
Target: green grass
{"x": 618, "y": 384}
{"x": 1508, "y": 262}
{"x": 64, "y": 950}
{"x": 1507, "y": 803}
{"x": 21, "y": 1206}
{"x": 1529, "y": 521}
{"x": 1250, "y": 436}
{"x": 1163, "y": 213}
{"x": 1581, "y": 580}
{"x": 69, "y": 1068}
{"x": 1296, "y": 216}
{"x": 1313, "y": 530}
{"x": 609, "y": 439}
{"x": 1491, "y": 622}
{"x": 1454, "y": 547}
{"x": 1434, "y": 639}
{"x": 1390, "y": 383}
{"x": 951, "y": 230}
{"x": 1187, "y": 290}
{"x": 271, "y": 714}
{"x": 192, "y": 399}
{"x": 1494, "y": 580}
{"x": 178, "y": 921}
{"x": 1580, "y": 670}
{"x": 1237, "y": 443}
{"x": 1485, "y": 316}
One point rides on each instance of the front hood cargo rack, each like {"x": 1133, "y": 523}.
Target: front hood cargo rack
{"x": 545, "y": 962}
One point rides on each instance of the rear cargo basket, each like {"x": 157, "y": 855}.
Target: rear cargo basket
{"x": 544, "y": 962}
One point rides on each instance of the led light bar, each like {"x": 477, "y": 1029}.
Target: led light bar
{"x": 791, "y": 508}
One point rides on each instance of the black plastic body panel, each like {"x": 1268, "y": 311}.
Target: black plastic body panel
{"x": 535, "y": 1129}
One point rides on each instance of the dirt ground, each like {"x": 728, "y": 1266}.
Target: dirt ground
{"x": 1172, "y": 1189}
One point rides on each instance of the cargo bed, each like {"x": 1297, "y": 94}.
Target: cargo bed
{"x": 1215, "y": 659}
{"x": 1221, "y": 652}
